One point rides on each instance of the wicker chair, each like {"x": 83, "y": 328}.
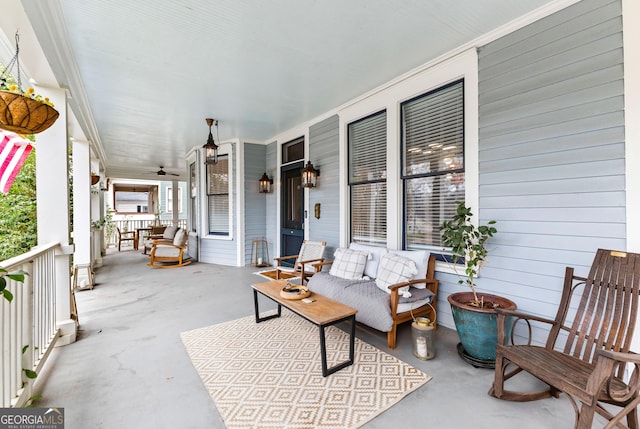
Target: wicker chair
{"x": 311, "y": 252}
{"x": 588, "y": 344}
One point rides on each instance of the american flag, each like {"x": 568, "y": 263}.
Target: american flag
{"x": 13, "y": 152}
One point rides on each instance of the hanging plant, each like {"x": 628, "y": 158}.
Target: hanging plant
{"x": 23, "y": 112}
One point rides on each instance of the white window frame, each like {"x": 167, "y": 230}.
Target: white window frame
{"x": 432, "y": 76}
{"x": 168, "y": 199}
{"x": 224, "y": 149}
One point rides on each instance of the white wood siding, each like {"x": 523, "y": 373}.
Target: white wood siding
{"x": 254, "y": 202}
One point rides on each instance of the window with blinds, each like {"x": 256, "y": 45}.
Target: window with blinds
{"x": 433, "y": 162}
{"x": 218, "y": 196}
{"x": 367, "y": 143}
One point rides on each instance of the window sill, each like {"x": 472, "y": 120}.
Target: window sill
{"x": 217, "y": 237}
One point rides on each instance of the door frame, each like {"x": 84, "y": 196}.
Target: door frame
{"x": 296, "y": 165}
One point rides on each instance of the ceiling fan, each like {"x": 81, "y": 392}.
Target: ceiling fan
{"x": 161, "y": 172}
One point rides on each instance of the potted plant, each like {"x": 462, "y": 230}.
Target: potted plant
{"x": 473, "y": 312}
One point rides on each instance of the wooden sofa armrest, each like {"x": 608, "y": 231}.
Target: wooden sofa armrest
{"x": 414, "y": 282}
{"x": 432, "y": 285}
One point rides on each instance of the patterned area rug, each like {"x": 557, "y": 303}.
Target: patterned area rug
{"x": 267, "y": 274}
{"x": 269, "y": 375}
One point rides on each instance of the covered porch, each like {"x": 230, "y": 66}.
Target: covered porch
{"x": 550, "y": 142}
{"x": 129, "y": 367}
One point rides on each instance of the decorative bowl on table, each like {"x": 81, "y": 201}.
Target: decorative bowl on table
{"x": 291, "y": 291}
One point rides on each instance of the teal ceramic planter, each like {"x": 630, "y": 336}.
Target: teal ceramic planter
{"x": 477, "y": 328}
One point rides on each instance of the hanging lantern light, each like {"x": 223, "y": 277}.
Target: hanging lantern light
{"x": 211, "y": 148}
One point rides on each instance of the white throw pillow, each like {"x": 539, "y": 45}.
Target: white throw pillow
{"x": 180, "y": 238}
{"x": 170, "y": 232}
{"x": 348, "y": 264}
{"x": 395, "y": 269}
{"x": 371, "y": 268}
{"x": 421, "y": 258}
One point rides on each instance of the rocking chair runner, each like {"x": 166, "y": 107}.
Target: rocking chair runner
{"x": 589, "y": 367}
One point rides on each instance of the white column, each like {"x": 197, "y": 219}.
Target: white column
{"x": 96, "y": 214}
{"x": 631, "y": 52}
{"x": 175, "y": 186}
{"x": 81, "y": 202}
{"x": 631, "y": 42}
{"x": 53, "y": 206}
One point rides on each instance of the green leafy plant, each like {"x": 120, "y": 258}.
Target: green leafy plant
{"x": 29, "y": 373}
{"x": 17, "y": 276}
{"x": 468, "y": 244}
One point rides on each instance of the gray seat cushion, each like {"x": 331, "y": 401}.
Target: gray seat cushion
{"x": 372, "y": 303}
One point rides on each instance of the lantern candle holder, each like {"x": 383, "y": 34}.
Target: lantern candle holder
{"x": 423, "y": 333}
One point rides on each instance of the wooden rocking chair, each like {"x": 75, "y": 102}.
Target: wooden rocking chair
{"x": 586, "y": 353}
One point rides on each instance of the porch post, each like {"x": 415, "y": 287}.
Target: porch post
{"x": 53, "y": 206}
{"x": 97, "y": 213}
{"x": 631, "y": 50}
{"x": 81, "y": 203}
{"x": 176, "y": 204}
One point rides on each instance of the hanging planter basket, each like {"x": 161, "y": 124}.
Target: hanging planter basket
{"x": 24, "y": 115}
{"x": 94, "y": 179}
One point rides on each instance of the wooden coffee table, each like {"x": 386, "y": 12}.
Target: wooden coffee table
{"x": 322, "y": 312}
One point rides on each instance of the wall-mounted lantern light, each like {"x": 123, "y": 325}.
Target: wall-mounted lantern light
{"x": 265, "y": 184}
{"x": 310, "y": 176}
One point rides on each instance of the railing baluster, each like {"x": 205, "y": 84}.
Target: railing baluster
{"x": 29, "y": 320}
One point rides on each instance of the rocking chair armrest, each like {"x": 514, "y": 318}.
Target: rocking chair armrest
{"x": 524, "y": 316}
{"x": 606, "y": 371}
{"x": 127, "y": 233}
{"x": 629, "y": 357}
{"x": 170, "y": 245}
{"x": 503, "y": 313}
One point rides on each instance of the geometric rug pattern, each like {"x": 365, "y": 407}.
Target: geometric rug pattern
{"x": 268, "y": 375}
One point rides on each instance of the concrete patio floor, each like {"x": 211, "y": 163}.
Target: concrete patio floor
{"x": 129, "y": 369}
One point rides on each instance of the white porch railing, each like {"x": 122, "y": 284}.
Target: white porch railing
{"x": 29, "y": 320}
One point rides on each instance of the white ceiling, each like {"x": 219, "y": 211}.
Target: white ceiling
{"x": 144, "y": 74}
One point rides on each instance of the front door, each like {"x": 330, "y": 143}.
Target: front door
{"x": 292, "y": 232}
